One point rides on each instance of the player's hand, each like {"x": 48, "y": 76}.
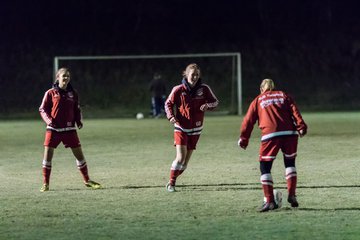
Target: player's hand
{"x": 173, "y": 120}
{"x": 243, "y": 143}
{"x": 302, "y": 132}
{"x": 80, "y": 125}
{"x": 204, "y": 107}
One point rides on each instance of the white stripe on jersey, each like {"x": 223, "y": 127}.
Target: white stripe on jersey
{"x": 213, "y": 104}
{"x": 169, "y": 111}
{"x": 61, "y": 129}
{"x": 290, "y": 155}
{"x": 189, "y": 134}
{"x": 43, "y": 114}
{"x": 277, "y": 134}
{"x": 188, "y": 131}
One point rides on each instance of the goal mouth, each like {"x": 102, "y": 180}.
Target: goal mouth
{"x": 120, "y": 83}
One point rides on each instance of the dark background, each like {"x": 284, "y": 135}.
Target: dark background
{"x": 311, "y": 48}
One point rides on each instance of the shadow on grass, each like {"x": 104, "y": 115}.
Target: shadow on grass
{"x": 331, "y": 186}
{"x": 328, "y": 209}
{"x": 203, "y": 187}
{"x": 219, "y": 187}
{"x": 235, "y": 186}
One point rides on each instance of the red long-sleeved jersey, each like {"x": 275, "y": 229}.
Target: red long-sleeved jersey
{"x": 277, "y": 115}
{"x": 60, "y": 109}
{"x": 187, "y": 102}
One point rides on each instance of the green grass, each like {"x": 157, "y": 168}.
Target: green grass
{"x": 217, "y": 196}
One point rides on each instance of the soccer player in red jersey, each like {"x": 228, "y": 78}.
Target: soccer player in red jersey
{"x": 190, "y": 99}
{"x": 60, "y": 110}
{"x": 281, "y": 123}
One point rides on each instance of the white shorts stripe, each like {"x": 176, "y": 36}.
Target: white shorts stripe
{"x": 188, "y": 129}
{"x": 290, "y": 155}
{"x": 267, "y": 157}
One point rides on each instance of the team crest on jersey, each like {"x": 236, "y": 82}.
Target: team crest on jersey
{"x": 198, "y": 123}
{"x": 70, "y": 95}
{"x": 199, "y": 92}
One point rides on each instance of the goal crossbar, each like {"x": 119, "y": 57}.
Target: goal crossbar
{"x": 236, "y": 55}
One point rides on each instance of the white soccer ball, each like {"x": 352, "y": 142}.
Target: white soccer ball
{"x": 277, "y": 197}
{"x": 139, "y": 116}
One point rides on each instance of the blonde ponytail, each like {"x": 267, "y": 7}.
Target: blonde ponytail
{"x": 267, "y": 85}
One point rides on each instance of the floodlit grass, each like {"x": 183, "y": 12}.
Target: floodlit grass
{"x": 217, "y": 196}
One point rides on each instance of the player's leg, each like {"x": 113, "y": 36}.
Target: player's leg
{"x": 177, "y": 166}
{"x": 71, "y": 140}
{"x": 81, "y": 163}
{"x": 46, "y": 168}
{"x": 82, "y": 166}
{"x": 290, "y": 151}
{"x": 268, "y": 152}
{"x": 187, "y": 159}
{"x": 185, "y": 145}
{"x": 267, "y": 180}
{"x": 191, "y": 146}
{"x": 52, "y": 140}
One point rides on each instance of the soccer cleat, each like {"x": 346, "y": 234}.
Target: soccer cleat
{"x": 268, "y": 207}
{"x": 44, "y": 188}
{"x": 170, "y": 188}
{"x": 92, "y": 184}
{"x": 292, "y": 200}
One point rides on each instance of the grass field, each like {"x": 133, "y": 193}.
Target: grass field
{"x": 217, "y": 196}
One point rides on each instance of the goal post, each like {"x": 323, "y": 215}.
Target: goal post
{"x": 235, "y": 75}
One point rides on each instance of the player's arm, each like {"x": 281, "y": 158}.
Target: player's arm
{"x": 248, "y": 125}
{"x": 300, "y": 124}
{"x": 211, "y": 100}
{"x": 169, "y": 106}
{"x": 45, "y": 109}
{"x": 77, "y": 111}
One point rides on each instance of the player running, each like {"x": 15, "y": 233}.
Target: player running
{"x": 280, "y": 123}
{"x": 61, "y": 111}
{"x": 191, "y": 99}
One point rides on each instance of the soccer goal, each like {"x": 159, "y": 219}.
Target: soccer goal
{"x": 121, "y": 82}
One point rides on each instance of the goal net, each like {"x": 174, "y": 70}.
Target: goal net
{"x": 118, "y": 86}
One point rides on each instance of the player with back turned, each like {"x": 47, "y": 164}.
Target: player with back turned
{"x": 281, "y": 123}
{"x": 60, "y": 110}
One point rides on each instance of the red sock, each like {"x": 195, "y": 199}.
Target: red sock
{"x": 173, "y": 176}
{"x": 291, "y": 185}
{"x": 46, "y": 175}
{"x": 291, "y": 180}
{"x": 82, "y": 166}
{"x": 267, "y": 185}
{"x": 46, "y": 171}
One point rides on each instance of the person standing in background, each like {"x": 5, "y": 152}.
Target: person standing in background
{"x": 158, "y": 94}
{"x": 60, "y": 110}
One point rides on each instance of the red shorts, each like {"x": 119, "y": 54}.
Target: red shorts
{"x": 270, "y": 148}
{"x": 69, "y": 139}
{"x": 181, "y": 138}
